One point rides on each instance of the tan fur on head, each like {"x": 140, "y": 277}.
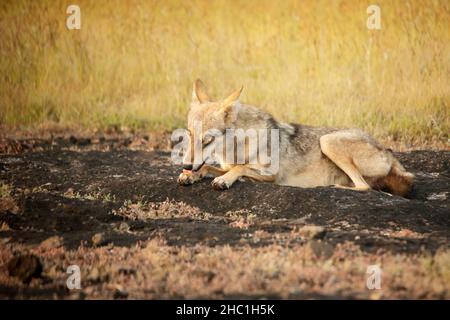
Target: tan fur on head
{"x": 199, "y": 93}
{"x": 232, "y": 98}
{"x": 230, "y": 104}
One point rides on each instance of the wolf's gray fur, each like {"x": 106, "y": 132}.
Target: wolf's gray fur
{"x": 308, "y": 156}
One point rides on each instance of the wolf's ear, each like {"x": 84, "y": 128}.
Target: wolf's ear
{"x": 199, "y": 94}
{"x": 228, "y": 105}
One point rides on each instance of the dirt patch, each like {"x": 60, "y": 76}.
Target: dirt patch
{"x": 206, "y": 243}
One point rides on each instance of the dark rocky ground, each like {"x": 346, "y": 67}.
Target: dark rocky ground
{"x": 76, "y": 189}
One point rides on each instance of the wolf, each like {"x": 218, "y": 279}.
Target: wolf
{"x": 308, "y": 156}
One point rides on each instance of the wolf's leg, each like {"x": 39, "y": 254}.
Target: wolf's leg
{"x": 211, "y": 172}
{"x": 358, "y": 155}
{"x": 225, "y": 181}
{"x": 204, "y": 172}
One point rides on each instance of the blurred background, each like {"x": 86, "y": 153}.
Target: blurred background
{"x": 132, "y": 63}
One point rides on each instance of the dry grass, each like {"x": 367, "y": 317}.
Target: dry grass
{"x": 132, "y": 63}
{"x": 156, "y": 270}
{"x": 7, "y": 202}
{"x": 160, "y": 210}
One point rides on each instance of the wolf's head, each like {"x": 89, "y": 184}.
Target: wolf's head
{"x": 207, "y": 122}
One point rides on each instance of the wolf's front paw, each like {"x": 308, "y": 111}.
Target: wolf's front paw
{"x": 186, "y": 179}
{"x": 220, "y": 183}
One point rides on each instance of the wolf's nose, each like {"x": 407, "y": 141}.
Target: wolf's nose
{"x": 187, "y": 167}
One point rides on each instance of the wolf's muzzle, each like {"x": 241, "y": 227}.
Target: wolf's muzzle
{"x": 198, "y": 167}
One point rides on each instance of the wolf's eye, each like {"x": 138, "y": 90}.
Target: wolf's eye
{"x": 207, "y": 140}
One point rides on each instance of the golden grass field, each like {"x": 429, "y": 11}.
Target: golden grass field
{"x": 133, "y": 63}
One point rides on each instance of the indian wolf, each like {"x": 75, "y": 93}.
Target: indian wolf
{"x": 308, "y": 156}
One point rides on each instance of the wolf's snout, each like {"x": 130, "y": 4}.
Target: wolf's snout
{"x": 196, "y": 167}
{"x": 187, "y": 167}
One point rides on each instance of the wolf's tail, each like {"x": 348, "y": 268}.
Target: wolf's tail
{"x": 398, "y": 181}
